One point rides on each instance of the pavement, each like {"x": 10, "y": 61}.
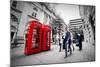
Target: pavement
{"x": 52, "y": 56}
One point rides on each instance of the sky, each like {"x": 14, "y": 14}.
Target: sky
{"x": 67, "y": 12}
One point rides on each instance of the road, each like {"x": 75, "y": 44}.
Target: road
{"x": 52, "y": 56}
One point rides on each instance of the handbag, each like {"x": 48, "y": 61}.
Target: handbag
{"x": 77, "y": 44}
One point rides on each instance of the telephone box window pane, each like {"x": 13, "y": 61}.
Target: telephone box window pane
{"x": 47, "y": 39}
{"x": 35, "y": 39}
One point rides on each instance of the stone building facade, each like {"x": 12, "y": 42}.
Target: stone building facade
{"x": 87, "y": 13}
{"x": 76, "y": 26}
{"x": 23, "y": 11}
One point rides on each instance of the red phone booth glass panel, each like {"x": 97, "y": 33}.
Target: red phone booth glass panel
{"x": 33, "y": 38}
{"x": 46, "y": 31}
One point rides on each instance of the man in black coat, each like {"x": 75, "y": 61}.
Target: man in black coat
{"x": 67, "y": 42}
{"x": 80, "y": 39}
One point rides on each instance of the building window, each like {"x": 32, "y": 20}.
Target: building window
{"x": 46, "y": 19}
{"x": 35, "y": 9}
{"x": 14, "y": 18}
{"x": 14, "y": 4}
{"x": 12, "y": 34}
{"x": 34, "y": 14}
{"x": 90, "y": 36}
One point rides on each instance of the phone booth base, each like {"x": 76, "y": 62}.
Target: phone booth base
{"x": 46, "y": 35}
{"x": 33, "y": 38}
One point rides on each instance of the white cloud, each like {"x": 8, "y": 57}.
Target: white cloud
{"x": 68, "y": 12}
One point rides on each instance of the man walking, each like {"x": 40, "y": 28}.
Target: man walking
{"x": 67, "y": 42}
{"x": 80, "y": 37}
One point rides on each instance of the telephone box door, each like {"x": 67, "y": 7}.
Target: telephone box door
{"x": 46, "y": 37}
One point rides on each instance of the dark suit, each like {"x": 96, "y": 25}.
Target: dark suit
{"x": 67, "y": 39}
{"x": 80, "y": 38}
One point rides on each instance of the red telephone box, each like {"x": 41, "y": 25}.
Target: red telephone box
{"x": 46, "y": 35}
{"x": 33, "y": 38}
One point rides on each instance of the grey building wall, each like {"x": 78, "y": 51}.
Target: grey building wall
{"x": 31, "y": 11}
{"x": 89, "y": 26}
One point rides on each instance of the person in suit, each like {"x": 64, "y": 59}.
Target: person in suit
{"x": 67, "y": 42}
{"x": 60, "y": 42}
{"x": 72, "y": 45}
{"x": 79, "y": 38}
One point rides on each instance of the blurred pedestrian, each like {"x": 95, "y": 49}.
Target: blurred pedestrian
{"x": 60, "y": 43}
{"x": 80, "y": 38}
{"x": 72, "y": 45}
{"x": 67, "y": 42}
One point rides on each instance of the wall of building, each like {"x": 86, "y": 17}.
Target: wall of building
{"x": 31, "y": 11}
{"x": 15, "y": 19}
{"x": 85, "y": 12}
